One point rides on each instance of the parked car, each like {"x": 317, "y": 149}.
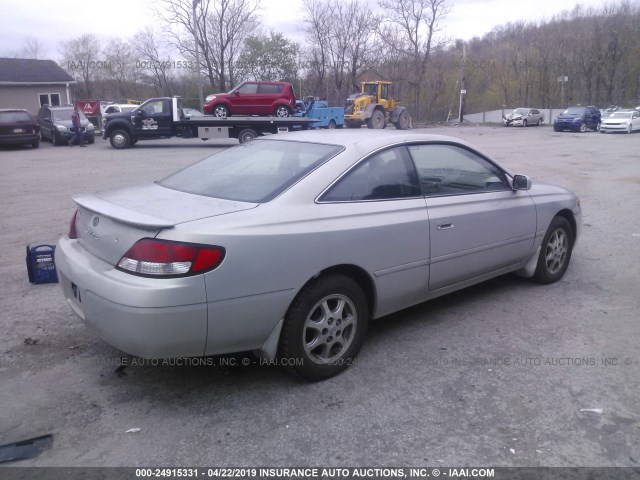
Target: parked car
{"x": 621, "y": 121}
{"x": 523, "y": 117}
{"x": 288, "y": 245}
{"x": 18, "y": 127}
{"x": 116, "y": 108}
{"x": 253, "y": 98}
{"x": 578, "y": 119}
{"x": 55, "y": 125}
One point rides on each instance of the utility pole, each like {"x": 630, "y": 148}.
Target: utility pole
{"x": 562, "y": 79}
{"x": 463, "y": 91}
{"x": 195, "y": 37}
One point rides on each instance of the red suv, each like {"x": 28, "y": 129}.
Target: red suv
{"x": 253, "y": 98}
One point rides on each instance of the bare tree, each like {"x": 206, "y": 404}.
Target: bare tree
{"x": 32, "y": 47}
{"x": 80, "y": 57}
{"x": 222, "y": 27}
{"x": 152, "y": 61}
{"x": 409, "y": 29}
{"x": 120, "y": 69}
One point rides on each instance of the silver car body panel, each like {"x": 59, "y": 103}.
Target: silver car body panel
{"x": 275, "y": 248}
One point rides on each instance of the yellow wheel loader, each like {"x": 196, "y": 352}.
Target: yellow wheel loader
{"x": 373, "y": 106}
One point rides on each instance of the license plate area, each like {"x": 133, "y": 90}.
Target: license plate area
{"x": 18, "y": 130}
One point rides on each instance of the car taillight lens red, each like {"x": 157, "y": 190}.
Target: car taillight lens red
{"x": 163, "y": 258}
{"x": 72, "y": 226}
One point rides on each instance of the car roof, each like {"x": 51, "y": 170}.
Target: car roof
{"x": 364, "y": 138}
{"x": 14, "y": 110}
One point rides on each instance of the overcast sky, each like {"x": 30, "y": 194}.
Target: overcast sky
{"x": 53, "y": 22}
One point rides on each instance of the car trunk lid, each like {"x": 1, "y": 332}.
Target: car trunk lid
{"x": 109, "y": 223}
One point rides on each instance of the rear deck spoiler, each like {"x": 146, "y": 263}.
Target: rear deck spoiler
{"x": 120, "y": 214}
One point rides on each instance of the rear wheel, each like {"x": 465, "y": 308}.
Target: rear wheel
{"x": 324, "y": 327}
{"x": 120, "y": 139}
{"x": 35, "y": 144}
{"x": 282, "y": 111}
{"x": 403, "y": 121}
{"x": 583, "y": 127}
{"x": 55, "y": 140}
{"x": 332, "y": 124}
{"x": 377, "y": 120}
{"x": 555, "y": 252}
{"x": 247, "y": 134}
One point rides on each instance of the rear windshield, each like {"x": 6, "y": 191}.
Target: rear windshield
{"x": 574, "y": 111}
{"x": 60, "y": 114}
{"x": 15, "y": 117}
{"x": 253, "y": 172}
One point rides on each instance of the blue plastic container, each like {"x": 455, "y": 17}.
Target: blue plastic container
{"x": 41, "y": 266}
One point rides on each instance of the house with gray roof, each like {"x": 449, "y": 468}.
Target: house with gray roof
{"x": 29, "y": 84}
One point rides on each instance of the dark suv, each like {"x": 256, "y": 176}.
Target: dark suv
{"x": 55, "y": 125}
{"x": 253, "y": 98}
{"x": 578, "y": 119}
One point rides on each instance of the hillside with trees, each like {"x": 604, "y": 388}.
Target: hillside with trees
{"x": 585, "y": 56}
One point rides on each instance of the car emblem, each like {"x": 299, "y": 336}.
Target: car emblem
{"x": 96, "y": 221}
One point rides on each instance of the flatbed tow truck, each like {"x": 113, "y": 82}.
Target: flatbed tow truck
{"x": 163, "y": 118}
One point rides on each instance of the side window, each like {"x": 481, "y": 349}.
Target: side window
{"x": 248, "y": 88}
{"x": 452, "y": 170}
{"x": 383, "y": 176}
{"x": 269, "y": 88}
{"x": 153, "y": 108}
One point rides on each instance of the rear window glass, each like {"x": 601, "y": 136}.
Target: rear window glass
{"x": 253, "y": 172}
{"x": 15, "y": 117}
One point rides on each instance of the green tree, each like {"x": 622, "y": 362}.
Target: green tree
{"x": 269, "y": 58}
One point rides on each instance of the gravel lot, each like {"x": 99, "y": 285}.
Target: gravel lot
{"x": 494, "y": 375}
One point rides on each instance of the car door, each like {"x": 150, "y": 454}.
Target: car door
{"x": 376, "y": 219}
{"x": 635, "y": 121}
{"x": 244, "y": 99}
{"x": 153, "y": 119}
{"x": 477, "y": 223}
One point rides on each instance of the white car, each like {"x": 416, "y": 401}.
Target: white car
{"x": 522, "y": 117}
{"x": 621, "y": 122}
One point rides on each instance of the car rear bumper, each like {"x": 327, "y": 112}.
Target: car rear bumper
{"x": 146, "y": 317}
{"x": 19, "y": 139}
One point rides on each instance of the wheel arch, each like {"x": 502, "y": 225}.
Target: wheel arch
{"x": 357, "y": 274}
{"x": 120, "y": 125}
{"x": 568, "y": 215}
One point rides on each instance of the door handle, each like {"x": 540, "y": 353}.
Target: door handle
{"x": 445, "y": 226}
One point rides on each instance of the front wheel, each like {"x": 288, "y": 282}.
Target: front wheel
{"x": 524, "y": 123}
{"x": 220, "y": 111}
{"x": 583, "y": 127}
{"x": 377, "y": 120}
{"x": 555, "y": 252}
{"x": 540, "y": 122}
{"x": 120, "y": 139}
{"x": 629, "y": 128}
{"x": 324, "y": 327}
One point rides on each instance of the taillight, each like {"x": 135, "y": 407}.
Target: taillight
{"x": 72, "y": 226}
{"x": 163, "y": 258}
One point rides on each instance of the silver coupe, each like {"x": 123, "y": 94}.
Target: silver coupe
{"x": 290, "y": 244}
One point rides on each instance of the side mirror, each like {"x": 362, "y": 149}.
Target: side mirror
{"x": 521, "y": 182}
{"x": 236, "y": 92}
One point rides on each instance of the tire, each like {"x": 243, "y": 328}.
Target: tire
{"x": 583, "y": 127}
{"x": 315, "y": 341}
{"x": 539, "y": 124}
{"x": 120, "y": 139}
{"x": 54, "y": 140}
{"x": 92, "y": 140}
{"x": 556, "y": 129}
{"x": 282, "y": 111}
{"x": 332, "y": 124}
{"x": 403, "y": 121}
{"x": 35, "y": 144}
{"x": 629, "y": 128}
{"x": 377, "y": 120}
{"x": 247, "y": 134}
{"x": 524, "y": 124}
{"x": 220, "y": 111}
{"x": 555, "y": 253}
